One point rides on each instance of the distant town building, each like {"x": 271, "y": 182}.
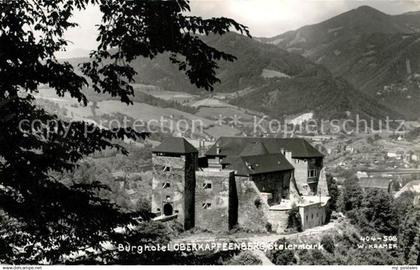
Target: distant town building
{"x": 414, "y": 187}
{"x": 390, "y": 180}
{"x": 249, "y": 182}
{"x": 376, "y": 183}
{"x": 349, "y": 149}
{"x": 393, "y": 155}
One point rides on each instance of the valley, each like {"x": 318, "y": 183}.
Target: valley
{"x": 338, "y": 70}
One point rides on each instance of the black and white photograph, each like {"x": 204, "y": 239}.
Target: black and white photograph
{"x": 279, "y": 133}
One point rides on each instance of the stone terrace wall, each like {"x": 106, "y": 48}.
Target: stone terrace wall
{"x": 312, "y": 215}
{"x": 278, "y": 220}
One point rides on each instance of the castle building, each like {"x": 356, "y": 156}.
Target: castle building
{"x": 248, "y": 182}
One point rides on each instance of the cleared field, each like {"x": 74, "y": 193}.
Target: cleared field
{"x": 74, "y": 110}
{"x": 394, "y": 146}
{"x": 214, "y": 113}
{"x": 144, "y": 111}
{"x": 211, "y": 102}
{"x": 49, "y": 93}
{"x": 204, "y": 122}
{"x": 163, "y": 94}
{"x": 219, "y": 131}
{"x": 154, "y": 117}
{"x": 235, "y": 94}
{"x": 268, "y": 73}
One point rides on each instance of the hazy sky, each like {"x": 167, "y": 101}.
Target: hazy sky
{"x": 265, "y": 18}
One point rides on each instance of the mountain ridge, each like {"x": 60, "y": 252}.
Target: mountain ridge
{"x": 372, "y": 50}
{"x": 294, "y": 83}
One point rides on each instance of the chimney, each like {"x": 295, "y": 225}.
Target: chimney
{"x": 217, "y": 149}
{"x": 287, "y": 154}
{"x": 408, "y": 66}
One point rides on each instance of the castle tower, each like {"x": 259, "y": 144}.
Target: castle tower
{"x": 175, "y": 163}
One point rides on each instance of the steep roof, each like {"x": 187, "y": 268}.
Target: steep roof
{"x": 252, "y": 165}
{"x": 175, "y": 145}
{"x": 413, "y": 186}
{"x": 233, "y": 146}
{"x": 380, "y": 183}
{"x": 254, "y": 149}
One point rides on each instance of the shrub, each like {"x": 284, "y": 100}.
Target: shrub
{"x": 294, "y": 220}
{"x": 257, "y": 202}
{"x": 352, "y": 195}
{"x": 327, "y": 242}
{"x": 244, "y": 258}
{"x": 282, "y": 256}
{"x": 269, "y": 227}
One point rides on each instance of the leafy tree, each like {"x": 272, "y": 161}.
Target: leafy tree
{"x": 244, "y": 258}
{"x": 280, "y": 256}
{"x": 53, "y": 219}
{"x": 347, "y": 251}
{"x": 317, "y": 258}
{"x": 294, "y": 221}
{"x": 333, "y": 191}
{"x": 327, "y": 242}
{"x": 409, "y": 235}
{"x": 403, "y": 204}
{"x": 379, "y": 213}
{"x": 352, "y": 194}
{"x": 414, "y": 256}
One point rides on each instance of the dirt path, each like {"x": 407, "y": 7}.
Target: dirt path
{"x": 263, "y": 239}
{"x": 266, "y": 238}
{"x": 261, "y": 255}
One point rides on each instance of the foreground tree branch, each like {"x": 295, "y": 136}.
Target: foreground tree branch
{"x": 51, "y": 221}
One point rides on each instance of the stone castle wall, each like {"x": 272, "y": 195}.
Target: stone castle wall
{"x": 173, "y": 187}
{"x": 214, "y": 205}
{"x": 252, "y": 208}
{"x": 218, "y": 200}
{"x": 301, "y": 175}
{"x": 168, "y": 161}
{"x": 307, "y": 186}
{"x": 172, "y": 195}
{"x": 277, "y": 184}
{"x": 190, "y": 186}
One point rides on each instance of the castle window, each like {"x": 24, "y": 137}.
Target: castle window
{"x": 167, "y": 169}
{"x": 166, "y": 185}
{"x": 312, "y": 216}
{"x": 257, "y": 202}
{"x": 312, "y": 173}
{"x": 206, "y": 205}
{"x": 207, "y": 186}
